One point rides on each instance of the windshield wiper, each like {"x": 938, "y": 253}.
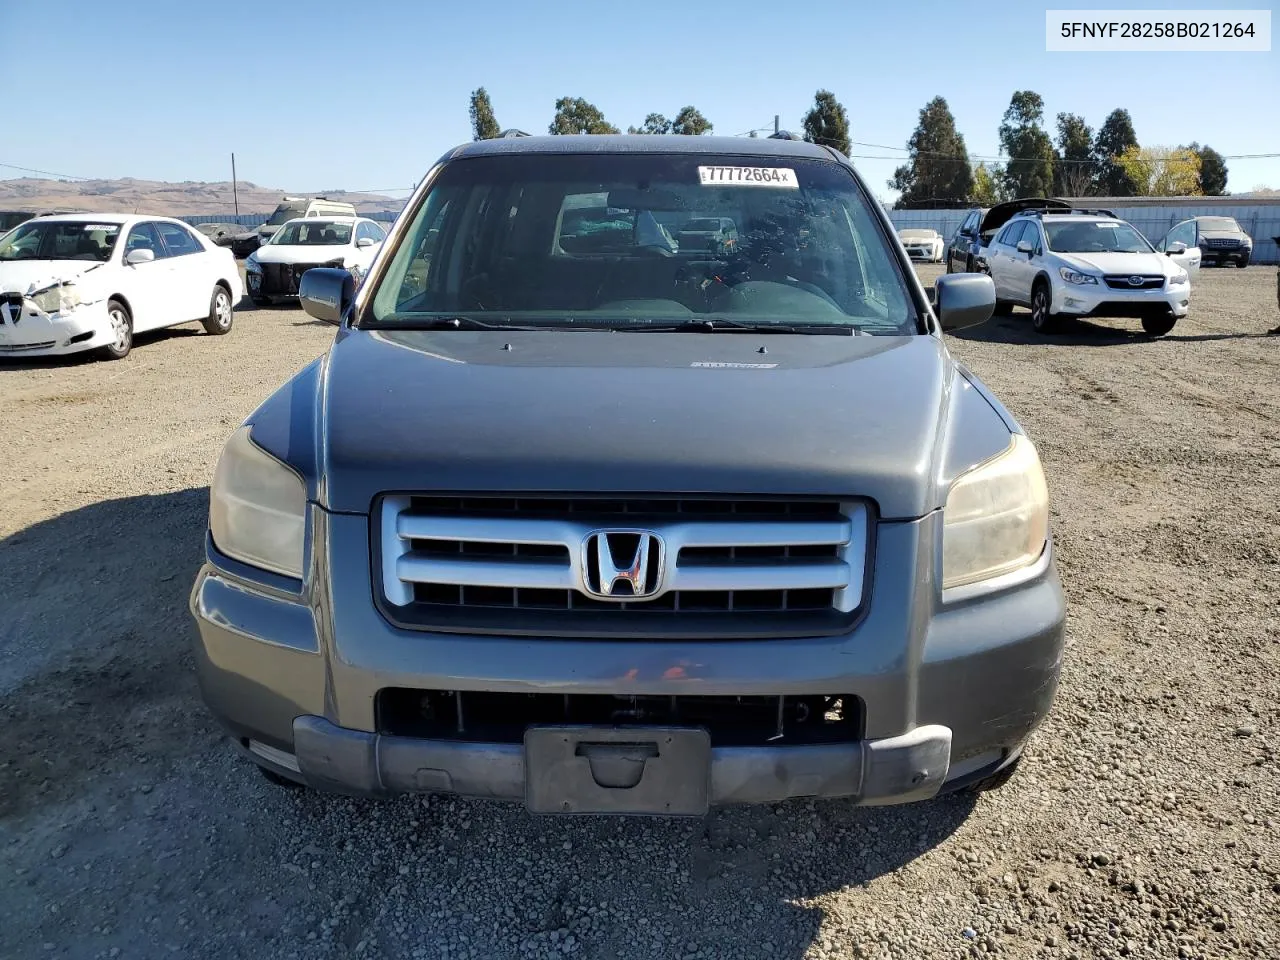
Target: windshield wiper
{"x": 411, "y": 322}
{"x": 723, "y": 325}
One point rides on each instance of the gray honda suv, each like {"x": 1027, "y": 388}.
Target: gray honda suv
{"x": 573, "y": 516}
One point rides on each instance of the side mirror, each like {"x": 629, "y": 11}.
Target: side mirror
{"x": 364, "y": 242}
{"x": 963, "y": 299}
{"x": 1177, "y": 247}
{"x": 326, "y": 292}
{"x": 1024, "y": 246}
{"x": 139, "y": 255}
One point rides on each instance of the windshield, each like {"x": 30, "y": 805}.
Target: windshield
{"x": 590, "y": 240}
{"x": 60, "y": 240}
{"x": 286, "y": 212}
{"x": 9, "y": 219}
{"x": 1095, "y": 236}
{"x": 312, "y": 233}
{"x": 1224, "y": 224}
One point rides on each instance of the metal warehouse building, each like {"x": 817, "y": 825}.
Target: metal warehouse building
{"x": 1259, "y": 216}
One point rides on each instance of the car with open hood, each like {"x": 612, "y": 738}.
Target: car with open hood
{"x": 80, "y": 282}
{"x": 573, "y": 515}
{"x": 967, "y": 248}
{"x": 275, "y": 268}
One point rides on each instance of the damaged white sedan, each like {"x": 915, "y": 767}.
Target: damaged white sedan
{"x": 91, "y": 281}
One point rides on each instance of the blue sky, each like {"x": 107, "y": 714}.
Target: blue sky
{"x": 325, "y": 95}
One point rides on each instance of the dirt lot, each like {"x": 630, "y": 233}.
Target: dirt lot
{"x": 1146, "y": 822}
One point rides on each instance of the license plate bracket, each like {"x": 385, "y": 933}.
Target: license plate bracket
{"x": 634, "y": 771}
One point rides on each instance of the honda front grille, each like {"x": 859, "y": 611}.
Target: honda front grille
{"x": 630, "y": 567}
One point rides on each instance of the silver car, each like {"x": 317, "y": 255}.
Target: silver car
{"x": 610, "y": 527}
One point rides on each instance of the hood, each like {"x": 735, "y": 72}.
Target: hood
{"x": 1119, "y": 263}
{"x": 308, "y": 253}
{"x": 633, "y": 413}
{"x": 30, "y": 276}
{"x": 1002, "y": 213}
{"x": 1224, "y": 235}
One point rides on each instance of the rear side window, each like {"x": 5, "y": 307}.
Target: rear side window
{"x": 1009, "y": 236}
{"x": 595, "y": 238}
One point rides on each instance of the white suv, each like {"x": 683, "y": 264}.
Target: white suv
{"x": 1085, "y": 263}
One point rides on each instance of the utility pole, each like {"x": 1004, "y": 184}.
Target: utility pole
{"x": 235, "y": 190}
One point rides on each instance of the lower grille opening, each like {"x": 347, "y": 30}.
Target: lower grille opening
{"x": 730, "y": 721}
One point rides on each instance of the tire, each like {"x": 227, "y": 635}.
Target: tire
{"x": 997, "y": 779}
{"x": 220, "y": 316}
{"x": 1242, "y": 262}
{"x": 122, "y": 328}
{"x": 279, "y": 780}
{"x": 261, "y": 301}
{"x": 1043, "y": 318}
{"x": 1158, "y": 326}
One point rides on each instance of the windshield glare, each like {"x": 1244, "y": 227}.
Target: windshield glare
{"x": 593, "y": 240}
{"x": 61, "y": 240}
{"x": 313, "y": 233}
{"x": 1105, "y": 236}
{"x": 1225, "y": 224}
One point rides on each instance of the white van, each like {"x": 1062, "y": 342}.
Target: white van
{"x": 292, "y": 208}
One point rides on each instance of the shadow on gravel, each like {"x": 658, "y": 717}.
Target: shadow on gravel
{"x": 750, "y": 882}
{"x": 1017, "y": 331}
{"x": 140, "y": 342}
{"x": 95, "y": 654}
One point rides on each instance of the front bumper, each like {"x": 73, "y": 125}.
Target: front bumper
{"x": 1082, "y": 300}
{"x": 928, "y": 254}
{"x": 1225, "y": 254}
{"x": 39, "y": 334}
{"x": 949, "y": 691}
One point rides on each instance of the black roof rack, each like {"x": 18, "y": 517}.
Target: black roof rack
{"x": 1085, "y": 211}
{"x": 785, "y": 135}
{"x": 513, "y": 132}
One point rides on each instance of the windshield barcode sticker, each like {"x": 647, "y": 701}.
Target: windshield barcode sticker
{"x": 778, "y": 177}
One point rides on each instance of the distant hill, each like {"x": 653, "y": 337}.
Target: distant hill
{"x": 160, "y": 198}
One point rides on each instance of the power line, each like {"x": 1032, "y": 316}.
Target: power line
{"x": 1003, "y": 159}
{"x": 47, "y": 173}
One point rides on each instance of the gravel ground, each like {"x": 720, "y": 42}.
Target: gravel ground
{"x": 1145, "y": 822}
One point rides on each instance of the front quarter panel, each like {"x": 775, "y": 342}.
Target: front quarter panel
{"x": 288, "y": 423}
{"x": 977, "y": 429}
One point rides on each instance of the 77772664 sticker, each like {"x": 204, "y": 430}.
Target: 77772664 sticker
{"x": 783, "y": 178}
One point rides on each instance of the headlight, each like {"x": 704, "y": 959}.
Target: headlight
{"x": 1178, "y": 278}
{"x": 1071, "y": 276}
{"x": 1247, "y": 242}
{"x": 58, "y": 299}
{"x": 996, "y": 519}
{"x": 258, "y": 508}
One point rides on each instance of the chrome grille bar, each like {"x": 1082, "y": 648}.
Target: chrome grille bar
{"x": 420, "y": 548}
